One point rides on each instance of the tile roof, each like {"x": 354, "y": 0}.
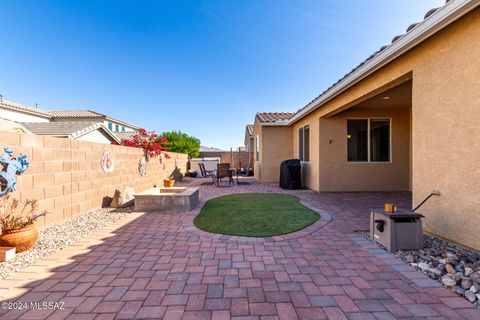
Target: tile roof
{"x": 59, "y": 128}
{"x": 75, "y": 114}
{"x": 394, "y": 39}
{"x": 125, "y": 135}
{"x": 8, "y": 125}
{"x": 274, "y": 116}
{"x": 21, "y": 107}
{"x": 250, "y": 129}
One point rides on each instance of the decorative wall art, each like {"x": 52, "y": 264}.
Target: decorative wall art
{"x": 142, "y": 165}
{"x": 10, "y": 168}
{"x": 107, "y": 163}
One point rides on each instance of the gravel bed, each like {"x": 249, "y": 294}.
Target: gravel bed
{"x": 456, "y": 268}
{"x": 58, "y": 236}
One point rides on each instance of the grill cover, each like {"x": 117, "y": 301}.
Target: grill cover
{"x": 290, "y": 174}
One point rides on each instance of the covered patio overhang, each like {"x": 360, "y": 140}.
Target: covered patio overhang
{"x": 366, "y": 144}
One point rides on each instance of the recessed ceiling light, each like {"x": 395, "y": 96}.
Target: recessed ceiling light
{"x": 385, "y": 98}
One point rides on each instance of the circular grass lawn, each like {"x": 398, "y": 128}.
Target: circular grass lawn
{"x": 254, "y": 215}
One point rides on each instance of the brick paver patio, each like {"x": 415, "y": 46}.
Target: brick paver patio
{"x": 159, "y": 266}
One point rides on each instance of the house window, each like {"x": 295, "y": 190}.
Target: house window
{"x": 110, "y": 126}
{"x": 304, "y": 143}
{"x": 257, "y": 148}
{"x": 123, "y": 129}
{"x": 368, "y": 140}
{"x": 116, "y": 128}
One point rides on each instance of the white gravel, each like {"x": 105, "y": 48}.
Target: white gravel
{"x": 60, "y": 235}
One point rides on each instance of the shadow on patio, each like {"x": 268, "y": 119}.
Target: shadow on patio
{"x": 153, "y": 267}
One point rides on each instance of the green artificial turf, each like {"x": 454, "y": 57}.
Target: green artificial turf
{"x": 254, "y": 215}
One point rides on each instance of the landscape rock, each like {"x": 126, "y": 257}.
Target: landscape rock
{"x": 455, "y": 267}
{"x": 450, "y": 268}
{"x": 458, "y": 276}
{"x": 61, "y": 235}
{"x": 474, "y": 288}
{"x": 448, "y": 281}
{"x": 435, "y": 271}
{"x": 409, "y": 258}
{"x": 470, "y": 296}
{"x": 123, "y": 197}
{"x": 451, "y": 256}
{"x": 459, "y": 290}
{"x": 424, "y": 266}
{"x": 468, "y": 271}
{"x": 466, "y": 283}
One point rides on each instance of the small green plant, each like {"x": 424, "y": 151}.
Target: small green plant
{"x": 17, "y": 215}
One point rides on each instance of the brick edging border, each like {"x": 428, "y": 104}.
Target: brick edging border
{"x": 325, "y": 218}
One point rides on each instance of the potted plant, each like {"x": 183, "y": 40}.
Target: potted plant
{"x": 17, "y": 221}
{"x": 168, "y": 183}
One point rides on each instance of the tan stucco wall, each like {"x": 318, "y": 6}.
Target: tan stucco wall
{"x": 445, "y": 125}
{"x": 310, "y": 168}
{"x": 277, "y": 146}
{"x": 337, "y": 174}
{"x": 257, "y": 163}
{"x": 446, "y": 131}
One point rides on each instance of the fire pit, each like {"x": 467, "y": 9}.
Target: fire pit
{"x": 165, "y": 199}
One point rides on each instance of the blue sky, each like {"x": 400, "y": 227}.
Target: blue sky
{"x": 203, "y": 66}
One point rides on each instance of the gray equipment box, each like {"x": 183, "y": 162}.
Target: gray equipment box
{"x": 400, "y": 230}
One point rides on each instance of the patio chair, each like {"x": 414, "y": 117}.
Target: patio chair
{"x": 240, "y": 173}
{"x": 223, "y": 171}
{"x": 205, "y": 173}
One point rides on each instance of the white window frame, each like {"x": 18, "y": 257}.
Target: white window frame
{"x": 302, "y": 156}
{"x": 390, "y": 146}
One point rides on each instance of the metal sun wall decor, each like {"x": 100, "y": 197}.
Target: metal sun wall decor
{"x": 11, "y": 168}
{"x": 107, "y": 163}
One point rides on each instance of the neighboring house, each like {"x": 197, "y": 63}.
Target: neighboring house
{"x": 75, "y": 124}
{"x": 272, "y": 143}
{"x": 84, "y": 131}
{"x": 249, "y": 144}
{"x": 112, "y": 124}
{"x": 405, "y": 119}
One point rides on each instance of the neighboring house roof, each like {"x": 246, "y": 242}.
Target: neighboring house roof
{"x": 59, "y": 114}
{"x": 249, "y": 129}
{"x": 75, "y": 114}
{"x": 434, "y": 20}
{"x": 8, "y": 125}
{"x": 273, "y": 116}
{"x": 210, "y": 149}
{"x": 125, "y": 135}
{"x": 71, "y": 130}
{"x": 23, "y": 108}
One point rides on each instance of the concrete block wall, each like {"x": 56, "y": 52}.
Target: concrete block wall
{"x": 240, "y": 158}
{"x": 66, "y": 177}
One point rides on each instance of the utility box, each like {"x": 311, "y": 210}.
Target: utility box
{"x": 400, "y": 230}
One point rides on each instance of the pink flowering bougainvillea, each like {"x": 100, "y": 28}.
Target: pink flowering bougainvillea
{"x": 152, "y": 144}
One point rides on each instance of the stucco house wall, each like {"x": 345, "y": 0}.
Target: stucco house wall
{"x": 309, "y": 168}
{"x": 277, "y": 146}
{"x": 446, "y": 131}
{"x": 18, "y": 116}
{"x": 445, "y": 73}
{"x": 257, "y": 162}
{"x": 337, "y": 174}
{"x": 98, "y": 136}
